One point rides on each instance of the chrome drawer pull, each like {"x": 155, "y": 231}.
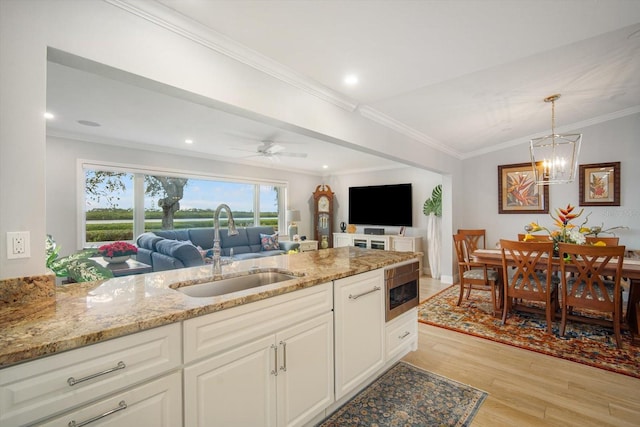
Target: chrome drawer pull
{"x": 406, "y": 334}
{"x": 121, "y": 406}
{"x": 72, "y": 381}
{"x": 275, "y": 370}
{"x": 284, "y": 356}
{"x": 376, "y": 288}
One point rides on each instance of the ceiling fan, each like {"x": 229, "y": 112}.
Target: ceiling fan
{"x": 272, "y": 150}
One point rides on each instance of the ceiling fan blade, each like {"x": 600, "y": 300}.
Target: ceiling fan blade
{"x": 300, "y": 155}
{"x": 272, "y": 148}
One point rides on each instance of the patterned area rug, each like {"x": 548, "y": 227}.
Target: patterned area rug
{"x": 584, "y": 343}
{"x": 409, "y": 396}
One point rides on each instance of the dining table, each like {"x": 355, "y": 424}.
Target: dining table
{"x": 630, "y": 271}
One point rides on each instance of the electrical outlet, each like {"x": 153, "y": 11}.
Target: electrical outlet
{"x": 18, "y": 245}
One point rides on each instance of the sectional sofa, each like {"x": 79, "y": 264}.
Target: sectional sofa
{"x": 170, "y": 249}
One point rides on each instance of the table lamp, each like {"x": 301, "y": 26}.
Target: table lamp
{"x": 294, "y": 215}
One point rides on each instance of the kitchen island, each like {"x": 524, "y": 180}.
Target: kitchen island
{"x": 83, "y": 317}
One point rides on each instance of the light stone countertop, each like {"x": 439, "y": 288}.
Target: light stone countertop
{"x": 86, "y": 313}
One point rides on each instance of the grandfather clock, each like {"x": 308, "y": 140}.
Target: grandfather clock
{"x": 323, "y": 216}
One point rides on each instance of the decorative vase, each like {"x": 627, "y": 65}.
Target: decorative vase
{"x": 324, "y": 244}
{"x": 343, "y": 226}
{"x": 116, "y": 259}
{"x": 433, "y": 241}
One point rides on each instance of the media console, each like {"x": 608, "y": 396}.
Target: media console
{"x": 385, "y": 242}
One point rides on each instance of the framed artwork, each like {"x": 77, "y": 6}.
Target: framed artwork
{"x": 600, "y": 184}
{"x": 518, "y": 192}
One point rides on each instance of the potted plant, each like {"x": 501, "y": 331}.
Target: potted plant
{"x": 78, "y": 266}
{"x": 117, "y": 252}
{"x": 432, "y": 208}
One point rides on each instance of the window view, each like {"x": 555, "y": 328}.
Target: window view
{"x": 170, "y": 202}
{"x": 174, "y": 203}
{"x": 108, "y": 206}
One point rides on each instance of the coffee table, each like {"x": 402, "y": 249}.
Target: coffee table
{"x": 125, "y": 268}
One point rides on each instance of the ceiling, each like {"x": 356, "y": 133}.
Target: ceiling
{"x": 464, "y": 76}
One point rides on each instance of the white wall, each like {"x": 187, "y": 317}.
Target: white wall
{"x": 422, "y": 185}
{"x": 612, "y": 141}
{"x": 108, "y": 34}
{"x": 62, "y": 182}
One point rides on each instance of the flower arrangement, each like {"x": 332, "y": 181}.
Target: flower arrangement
{"x": 117, "y": 249}
{"x": 568, "y": 232}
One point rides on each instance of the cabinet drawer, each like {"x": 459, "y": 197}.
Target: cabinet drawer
{"x": 51, "y": 385}
{"x": 401, "y": 334}
{"x": 218, "y": 332}
{"x": 154, "y": 404}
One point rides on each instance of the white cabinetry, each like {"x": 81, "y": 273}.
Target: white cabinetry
{"x": 308, "y": 245}
{"x": 341, "y": 240}
{"x": 387, "y": 242}
{"x": 252, "y": 368}
{"x": 401, "y": 335}
{"x": 359, "y": 329}
{"x": 154, "y": 404}
{"x": 406, "y": 244}
{"x": 50, "y": 386}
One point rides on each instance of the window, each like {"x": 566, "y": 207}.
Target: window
{"x": 121, "y": 204}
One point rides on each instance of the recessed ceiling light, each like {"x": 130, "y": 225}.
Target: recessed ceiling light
{"x": 89, "y": 123}
{"x": 49, "y": 116}
{"x": 325, "y": 166}
{"x": 188, "y": 141}
{"x": 351, "y": 80}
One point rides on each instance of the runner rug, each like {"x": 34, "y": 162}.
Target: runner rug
{"x": 409, "y": 396}
{"x": 584, "y": 343}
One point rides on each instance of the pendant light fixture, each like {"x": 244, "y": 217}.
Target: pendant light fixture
{"x": 558, "y": 154}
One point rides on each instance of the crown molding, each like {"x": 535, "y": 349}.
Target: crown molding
{"x": 562, "y": 129}
{"x": 169, "y": 19}
{"x": 391, "y": 123}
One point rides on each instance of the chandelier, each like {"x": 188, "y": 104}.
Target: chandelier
{"x": 555, "y": 157}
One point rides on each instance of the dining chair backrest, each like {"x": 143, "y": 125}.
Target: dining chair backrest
{"x": 474, "y": 275}
{"x": 475, "y": 239}
{"x": 534, "y": 238}
{"x": 460, "y": 244}
{"x": 532, "y": 269}
{"x": 609, "y": 241}
{"x": 586, "y": 264}
{"x": 587, "y": 285}
{"x": 527, "y": 275}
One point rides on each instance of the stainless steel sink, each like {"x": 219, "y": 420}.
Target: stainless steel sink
{"x": 234, "y": 284}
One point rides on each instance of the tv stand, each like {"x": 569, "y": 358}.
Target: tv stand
{"x": 385, "y": 242}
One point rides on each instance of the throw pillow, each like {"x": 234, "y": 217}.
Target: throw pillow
{"x": 269, "y": 242}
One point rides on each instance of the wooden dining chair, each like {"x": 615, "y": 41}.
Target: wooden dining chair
{"x": 476, "y": 238}
{"x": 473, "y": 275}
{"x": 587, "y": 287}
{"x": 608, "y": 241}
{"x": 527, "y": 276}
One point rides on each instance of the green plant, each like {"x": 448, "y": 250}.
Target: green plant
{"x": 77, "y": 266}
{"x": 433, "y": 205}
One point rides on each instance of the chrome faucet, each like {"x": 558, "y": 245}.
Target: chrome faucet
{"x": 217, "y": 265}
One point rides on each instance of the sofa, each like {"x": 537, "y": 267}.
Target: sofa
{"x": 171, "y": 249}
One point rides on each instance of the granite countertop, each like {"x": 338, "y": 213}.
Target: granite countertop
{"x": 85, "y": 313}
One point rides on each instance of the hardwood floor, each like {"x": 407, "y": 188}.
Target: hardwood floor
{"x": 526, "y": 388}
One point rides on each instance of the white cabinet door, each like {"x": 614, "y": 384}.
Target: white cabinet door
{"x": 341, "y": 240}
{"x": 359, "y": 329}
{"x": 305, "y": 371}
{"x": 402, "y": 245}
{"x": 154, "y": 404}
{"x": 236, "y": 388}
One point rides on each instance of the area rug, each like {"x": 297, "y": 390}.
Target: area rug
{"x": 409, "y": 396}
{"x": 584, "y": 343}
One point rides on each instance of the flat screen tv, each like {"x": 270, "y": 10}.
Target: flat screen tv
{"x": 381, "y": 205}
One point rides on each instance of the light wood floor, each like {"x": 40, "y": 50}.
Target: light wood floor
{"x": 526, "y": 388}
